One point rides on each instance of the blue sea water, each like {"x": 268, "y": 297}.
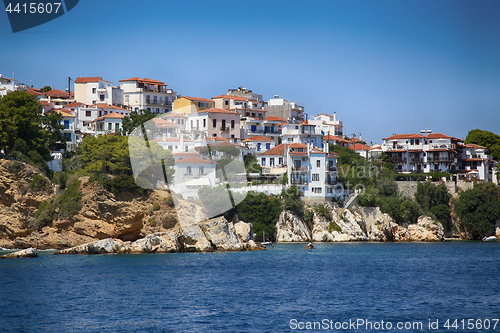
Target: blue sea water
{"x": 278, "y": 290}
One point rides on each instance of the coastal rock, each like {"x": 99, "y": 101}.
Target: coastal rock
{"x": 192, "y": 239}
{"x": 497, "y": 229}
{"x": 221, "y": 234}
{"x": 309, "y": 246}
{"x": 107, "y": 245}
{"x": 320, "y": 231}
{"x": 350, "y": 221}
{"x": 27, "y": 253}
{"x": 160, "y": 242}
{"x": 290, "y": 228}
{"x": 426, "y": 230}
{"x": 252, "y": 246}
{"x": 244, "y": 231}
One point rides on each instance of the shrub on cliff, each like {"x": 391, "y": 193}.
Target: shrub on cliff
{"x": 65, "y": 205}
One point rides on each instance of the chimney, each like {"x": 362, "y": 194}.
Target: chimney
{"x": 335, "y": 116}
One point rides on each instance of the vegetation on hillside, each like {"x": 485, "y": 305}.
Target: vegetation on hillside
{"x": 486, "y": 139}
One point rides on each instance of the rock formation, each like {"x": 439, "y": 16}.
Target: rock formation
{"x": 290, "y": 228}
{"x": 27, "y": 253}
{"x": 212, "y": 235}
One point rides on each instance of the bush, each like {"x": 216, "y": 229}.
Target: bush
{"x": 323, "y": 210}
{"x": 39, "y": 183}
{"x": 65, "y": 205}
{"x": 152, "y": 222}
{"x": 308, "y": 215}
{"x": 169, "y": 201}
{"x": 70, "y": 201}
{"x": 334, "y": 227}
{"x": 156, "y": 206}
{"x": 60, "y": 179}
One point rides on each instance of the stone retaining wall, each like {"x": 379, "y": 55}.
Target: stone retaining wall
{"x": 409, "y": 188}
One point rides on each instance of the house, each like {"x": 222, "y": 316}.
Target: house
{"x": 186, "y": 105}
{"x": 56, "y": 97}
{"x": 87, "y": 114}
{"x": 228, "y": 102}
{"x": 108, "y": 124}
{"x": 362, "y": 149}
{"x": 296, "y": 131}
{"x": 6, "y": 85}
{"x": 247, "y": 93}
{"x": 328, "y": 125}
{"x": 93, "y": 90}
{"x": 279, "y": 107}
{"x": 192, "y": 173}
{"x": 69, "y": 131}
{"x": 259, "y": 144}
{"x": 314, "y": 172}
{"x": 332, "y": 139}
{"x": 210, "y": 123}
{"x": 178, "y": 119}
{"x": 274, "y": 157}
{"x": 475, "y": 162}
{"x": 166, "y": 128}
{"x": 176, "y": 145}
{"x": 147, "y": 94}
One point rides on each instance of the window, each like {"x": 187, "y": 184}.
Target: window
{"x": 110, "y": 126}
{"x": 232, "y": 123}
{"x": 191, "y": 124}
{"x": 94, "y": 90}
{"x": 101, "y": 98}
{"x": 169, "y": 148}
{"x": 66, "y": 124}
{"x": 317, "y": 190}
{"x": 318, "y": 163}
{"x": 271, "y": 162}
{"x": 214, "y": 122}
{"x": 268, "y": 146}
{"x": 88, "y": 113}
{"x": 329, "y": 190}
{"x": 117, "y": 127}
{"x": 204, "y": 123}
{"x": 67, "y": 136}
{"x": 126, "y": 98}
{"x": 188, "y": 169}
{"x": 315, "y": 177}
{"x": 186, "y": 148}
{"x": 263, "y": 163}
{"x": 197, "y": 124}
{"x": 201, "y": 171}
{"x": 226, "y": 102}
{"x": 280, "y": 161}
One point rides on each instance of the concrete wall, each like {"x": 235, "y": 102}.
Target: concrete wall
{"x": 409, "y": 188}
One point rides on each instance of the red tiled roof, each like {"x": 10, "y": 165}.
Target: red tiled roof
{"x": 297, "y": 145}
{"x": 34, "y": 92}
{"x": 63, "y": 112}
{"x": 145, "y": 80}
{"x": 258, "y": 138}
{"x": 218, "y": 138}
{"x": 474, "y": 159}
{"x": 438, "y": 136}
{"x": 223, "y": 144}
{"x": 56, "y": 93}
{"x": 193, "y": 160}
{"x": 163, "y": 123}
{"x": 215, "y": 110}
{"x": 171, "y": 115}
{"x": 88, "y": 79}
{"x": 278, "y": 150}
{"x": 324, "y": 114}
{"x": 236, "y": 98}
{"x": 73, "y": 105}
{"x": 405, "y": 136}
{"x": 193, "y": 153}
{"x": 472, "y": 145}
{"x": 197, "y": 99}
{"x": 359, "y": 146}
{"x": 335, "y": 138}
{"x": 107, "y": 106}
{"x": 110, "y": 115}
{"x": 272, "y": 118}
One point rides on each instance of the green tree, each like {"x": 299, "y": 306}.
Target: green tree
{"x": 20, "y": 118}
{"x": 478, "y": 209}
{"x": 52, "y": 123}
{"x": 251, "y": 164}
{"x": 136, "y": 119}
{"x": 45, "y": 89}
{"x": 487, "y": 139}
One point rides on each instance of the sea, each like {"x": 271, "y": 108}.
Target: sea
{"x": 451, "y": 286}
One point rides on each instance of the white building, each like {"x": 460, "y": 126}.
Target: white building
{"x": 94, "y": 90}
{"x": 283, "y": 108}
{"x": 108, "y": 124}
{"x": 295, "y": 131}
{"x": 87, "y": 114}
{"x": 6, "y": 85}
{"x": 192, "y": 173}
{"x": 328, "y": 125}
{"x": 147, "y": 94}
{"x": 476, "y": 162}
{"x": 259, "y": 144}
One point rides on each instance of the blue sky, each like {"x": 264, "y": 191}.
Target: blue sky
{"x": 381, "y": 65}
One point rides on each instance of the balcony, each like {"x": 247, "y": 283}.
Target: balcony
{"x": 440, "y": 159}
{"x": 300, "y": 168}
{"x": 156, "y": 102}
{"x": 397, "y": 159}
{"x": 330, "y": 169}
{"x": 330, "y": 182}
{"x": 224, "y": 129}
{"x": 299, "y": 182}
{"x": 255, "y": 131}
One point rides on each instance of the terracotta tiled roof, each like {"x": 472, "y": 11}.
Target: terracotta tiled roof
{"x": 163, "y": 123}
{"x": 215, "y": 110}
{"x": 63, "y": 112}
{"x": 56, "y": 93}
{"x": 438, "y": 136}
{"x": 223, "y": 144}
{"x": 73, "y": 105}
{"x": 145, "y": 80}
{"x": 272, "y": 118}
{"x": 197, "y": 99}
{"x": 107, "y": 106}
{"x": 278, "y": 150}
{"x": 192, "y": 153}
{"x": 335, "y": 138}
{"x": 324, "y": 114}
{"x": 258, "y": 138}
{"x": 218, "y": 138}
{"x": 472, "y": 145}
{"x": 359, "y": 146}
{"x": 34, "y": 92}
{"x": 88, "y": 79}
{"x": 193, "y": 160}
{"x": 171, "y": 115}
{"x": 110, "y": 115}
{"x": 405, "y": 136}
{"x": 236, "y": 98}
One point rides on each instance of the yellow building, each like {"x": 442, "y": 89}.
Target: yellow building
{"x": 186, "y": 105}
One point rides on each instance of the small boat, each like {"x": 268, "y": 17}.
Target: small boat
{"x": 268, "y": 242}
{"x": 490, "y": 239}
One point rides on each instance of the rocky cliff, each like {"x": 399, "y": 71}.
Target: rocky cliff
{"x": 359, "y": 224}
{"x": 212, "y": 235}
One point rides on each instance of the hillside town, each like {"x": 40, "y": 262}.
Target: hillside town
{"x": 285, "y": 141}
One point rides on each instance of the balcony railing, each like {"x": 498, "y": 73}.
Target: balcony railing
{"x": 255, "y": 131}
{"x": 397, "y": 159}
{"x": 156, "y": 102}
{"x": 330, "y": 168}
{"x": 439, "y": 159}
{"x": 224, "y": 129}
{"x": 300, "y": 168}
{"x": 299, "y": 182}
{"x": 330, "y": 182}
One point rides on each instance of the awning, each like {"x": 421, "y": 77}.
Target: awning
{"x": 277, "y": 171}
{"x": 204, "y": 181}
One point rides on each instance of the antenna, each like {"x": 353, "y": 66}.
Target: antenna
{"x": 426, "y": 130}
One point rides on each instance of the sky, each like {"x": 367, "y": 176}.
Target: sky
{"x": 384, "y": 67}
